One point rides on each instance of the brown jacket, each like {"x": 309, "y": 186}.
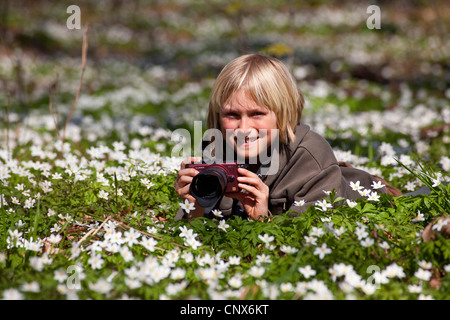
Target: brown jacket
{"x": 310, "y": 170}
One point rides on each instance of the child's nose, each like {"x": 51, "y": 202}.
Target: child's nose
{"x": 244, "y": 125}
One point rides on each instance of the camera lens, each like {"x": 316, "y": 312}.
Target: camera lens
{"x": 211, "y": 182}
{"x": 208, "y": 186}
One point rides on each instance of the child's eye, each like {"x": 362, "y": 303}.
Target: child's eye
{"x": 258, "y": 113}
{"x": 231, "y": 115}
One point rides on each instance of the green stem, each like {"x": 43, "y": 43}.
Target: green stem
{"x": 36, "y": 219}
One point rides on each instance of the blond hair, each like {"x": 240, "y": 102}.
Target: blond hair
{"x": 268, "y": 82}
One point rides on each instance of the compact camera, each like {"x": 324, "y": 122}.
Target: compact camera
{"x": 213, "y": 181}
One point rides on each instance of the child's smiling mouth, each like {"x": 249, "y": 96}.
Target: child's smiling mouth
{"x": 245, "y": 141}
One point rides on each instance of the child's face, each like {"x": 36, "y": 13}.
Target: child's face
{"x": 250, "y": 124}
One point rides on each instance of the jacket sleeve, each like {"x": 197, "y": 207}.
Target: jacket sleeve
{"x": 309, "y": 172}
{"x": 316, "y": 187}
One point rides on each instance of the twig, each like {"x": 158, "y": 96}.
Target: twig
{"x": 7, "y": 125}
{"x": 53, "y": 114}
{"x": 93, "y": 231}
{"x": 147, "y": 234}
{"x": 83, "y": 69}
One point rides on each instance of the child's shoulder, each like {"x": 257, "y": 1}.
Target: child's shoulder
{"x": 317, "y": 147}
{"x": 309, "y": 139}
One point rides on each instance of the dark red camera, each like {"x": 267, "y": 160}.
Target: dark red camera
{"x": 213, "y": 181}
{"x": 215, "y": 177}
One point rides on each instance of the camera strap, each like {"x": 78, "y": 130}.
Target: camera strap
{"x": 238, "y": 209}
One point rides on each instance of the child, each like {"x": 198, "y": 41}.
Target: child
{"x": 254, "y": 97}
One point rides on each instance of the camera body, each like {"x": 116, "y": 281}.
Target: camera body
{"x": 226, "y": 173}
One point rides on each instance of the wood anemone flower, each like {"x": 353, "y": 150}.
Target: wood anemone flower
{"x": 441, "y": 225}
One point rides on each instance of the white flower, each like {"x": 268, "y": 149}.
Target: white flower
{"x": 361, "y": 232}
{"x": 425, "y": 297}
{"x": 307, "y": 271}
{"x": 54, "y": 238}
{"x": 33, "y": 246}
{"x": 286, "y": 287}
{"x": 193, "y": 243}
{"x": 288, "y": 249}
{"x": 147, "y": 183}
{"x": 266, "y": 238}
{"x": 316, "y": 232}
{"x": 339, "y": 232}
{"x": 377, "y": 185}
{"x": 102, "y": 286}
{"x": 223, "y": 225}
{"x": 351, "y": 203}
{"x": 367, "y": 242}
{"x": 355, "y": 186}
{"x": 384, "y": 245}
{"x": 419, "y": 217}
{"x": 256, "y": 271}
{"x": 415, "y": 288}
{"x": 60, "y": 275}
{"x": 31, "y": 287}
{"x": 36, "y": 263}
{"x": 187, "y": 206}
{"x": 234, "y": 260}
{"x": 12, "y": 294}
{"x": 436, "y": 182}
{"x": 56, "y": 176}
{"x": 103, "y": 194}
{"x": 310, "y": 240}
{"x": 410, "y": 186}
{"x": 149, "y": 243}
{"x": 263, "y": 258}
{"x": 115, "y": 237}
{"x": 131, "y": 237}
{"x": 322, "y": 251}
{"x": 373, "y": 196}
{"x": 235, "y": 281}
{"x": 425, "y": 264}
{"x": 126, "y": 253}
{"x": 439, "y": 224}
{"x": 369, "y": 288}
{"x": 394, "y": 270}
{"x": 217, "y": 213}
{"x": 188, "y": 257}
{"x": 29, "y": 203}
{"x": 323, "y": 205}
{"x": 178, "y": 274}
{"x": 96, "y": 261}
{"x": 299, "y": 203}
{"x": 75, "y": 250}
{"x": 364, "y": 193}
{"x": 185, "y": 232}
{"x": 422, "y": 274}
{"x": 15, "y": 235}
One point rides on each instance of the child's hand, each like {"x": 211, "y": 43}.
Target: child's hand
{"x": 255, "y": 194}
{"x": 184, "y": 178}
